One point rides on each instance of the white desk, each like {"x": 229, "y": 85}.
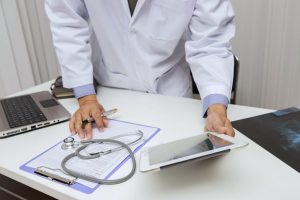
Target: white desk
{"x": 250, "y": 173}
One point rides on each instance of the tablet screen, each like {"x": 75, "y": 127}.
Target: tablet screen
{"x": 185, "y": 147}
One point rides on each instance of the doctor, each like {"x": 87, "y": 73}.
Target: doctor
{"x": 148, "y": 46}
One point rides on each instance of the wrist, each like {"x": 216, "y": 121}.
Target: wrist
{"x": 217, "y": 108}
{"x": 87, "y": 99}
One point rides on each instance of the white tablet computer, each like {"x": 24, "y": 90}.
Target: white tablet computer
{"x": 189, "y": 149}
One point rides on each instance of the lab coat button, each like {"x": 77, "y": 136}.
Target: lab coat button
{"x": 132, "y": 31}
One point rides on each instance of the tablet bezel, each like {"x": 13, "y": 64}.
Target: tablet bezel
{"x": 145, "y": 165}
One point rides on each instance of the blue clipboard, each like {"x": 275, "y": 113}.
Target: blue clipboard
{"x": 83, "y": 188}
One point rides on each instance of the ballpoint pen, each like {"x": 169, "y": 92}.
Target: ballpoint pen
{"x": 104, "y": 114}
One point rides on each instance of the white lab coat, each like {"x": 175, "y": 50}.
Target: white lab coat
{"x": 150, "y": 51}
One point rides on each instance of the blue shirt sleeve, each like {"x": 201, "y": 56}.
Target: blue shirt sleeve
{"x": 214, "y": 99}
{"x": 84, "y": 90}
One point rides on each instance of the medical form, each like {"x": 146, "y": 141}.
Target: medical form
{"x": 102, "y": 167}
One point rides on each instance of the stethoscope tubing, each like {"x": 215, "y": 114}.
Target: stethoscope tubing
{"x": 70, "y": 142}
{"x": 94, "y": 179}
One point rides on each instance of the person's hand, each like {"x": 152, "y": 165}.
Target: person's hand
{"x": 89, "y": 107}
{"x": 217, "y": 120}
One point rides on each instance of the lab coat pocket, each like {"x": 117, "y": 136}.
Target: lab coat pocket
{"x": 168, "y": 19}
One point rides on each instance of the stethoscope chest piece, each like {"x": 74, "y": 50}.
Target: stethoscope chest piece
{"x": 69, "y": 144}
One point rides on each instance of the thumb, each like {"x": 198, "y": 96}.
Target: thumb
{"x": 220, "y": 129}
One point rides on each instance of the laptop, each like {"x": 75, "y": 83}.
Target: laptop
{"x": 29, "y": 112}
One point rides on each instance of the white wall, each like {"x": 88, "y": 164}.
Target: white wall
{"x": 27, "y": 56}
{"x": 267, "y": 43}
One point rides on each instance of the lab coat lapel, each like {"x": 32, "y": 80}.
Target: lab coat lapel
{"x": 137, "y": 9}
{"x": 126, "y": 8}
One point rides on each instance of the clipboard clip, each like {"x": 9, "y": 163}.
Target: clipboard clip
{"x": 55, "y": 174}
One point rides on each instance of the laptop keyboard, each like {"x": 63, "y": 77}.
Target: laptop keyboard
{"x": 21, "y": 111}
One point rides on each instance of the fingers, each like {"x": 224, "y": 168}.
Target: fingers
{"x": 214, "y": 123}
{"x": 221, "y": 130}
{"x": 219, "y": 124}
{"x": 215, "y": 127}
{"x": 87, "y": 129}
{"x": 96, "y": 114}
{"x": 72, "y": 125}
{"x": 230, "y": 130}
{"x": 105, "y": 121}
{"x": 208, "y": 127}
{"x": 78, "y": 124}
{"x": 87, "y": 110}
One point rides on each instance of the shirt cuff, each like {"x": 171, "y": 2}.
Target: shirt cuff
{"x": 213, "y": 99}
{"x": 84, "y": 90}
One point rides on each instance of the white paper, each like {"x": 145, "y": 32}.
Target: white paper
{"x": 99, "y": 167}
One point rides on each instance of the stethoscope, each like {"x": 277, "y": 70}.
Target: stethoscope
{"x": 79, "y": 146}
